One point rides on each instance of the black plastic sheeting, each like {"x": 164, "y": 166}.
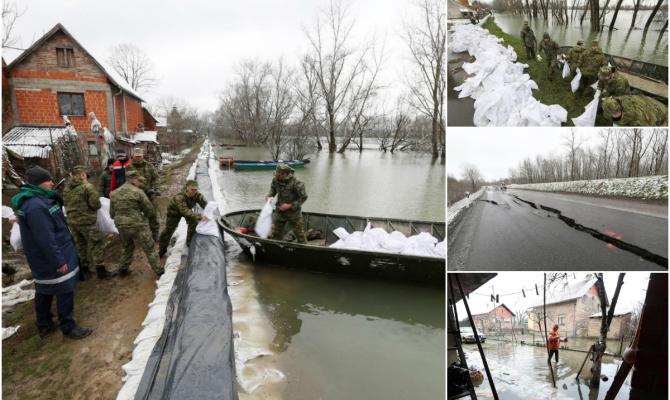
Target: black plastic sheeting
{"x": 194, "y": 357}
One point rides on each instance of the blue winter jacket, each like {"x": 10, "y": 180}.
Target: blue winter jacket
{"x": 47, "y": 244}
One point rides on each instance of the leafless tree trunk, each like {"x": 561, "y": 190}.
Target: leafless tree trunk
{"x": 636, "y": 9}
{"x": 10, "y": 14}
{"x": 308, "y": 101}
{"x": 606, "y": 320}
{"x": 282, "y": 104}
{"x": 653, "y": 14}
{"x": 134, "y": 66}
{"x": 616, "y": 14}
{"x": 472, "y": 175}
{"x": 573, "y": 143}
{"x": 595, "y": 15}
{"x": 426, "y": 40}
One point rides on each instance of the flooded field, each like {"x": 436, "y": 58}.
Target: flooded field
{"x": 336, "y": 337}
{"x": 520, "y": 372}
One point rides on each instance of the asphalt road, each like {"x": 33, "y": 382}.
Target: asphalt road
{"x": 513, "y": 234}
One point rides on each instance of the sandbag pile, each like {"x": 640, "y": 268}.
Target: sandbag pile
{"x": 209, "y": 227}
{"x": 503, "y": 93}
{"x": 377, "y": 239}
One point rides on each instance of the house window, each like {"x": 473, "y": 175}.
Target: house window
{"x": 92, "y": 148}
{"x": 65, "y": 57}
{"x": 561, "y": 320}
{"x": 71, "y": 103}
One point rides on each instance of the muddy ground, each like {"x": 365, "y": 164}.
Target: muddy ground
{"x": 60, "y": 368}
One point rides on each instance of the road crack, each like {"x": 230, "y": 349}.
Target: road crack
{"x": 489, "y": 201}
{"x": 639, "y": 251}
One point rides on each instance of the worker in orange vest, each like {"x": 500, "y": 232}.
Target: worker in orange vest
{"x": 553, "y": 342}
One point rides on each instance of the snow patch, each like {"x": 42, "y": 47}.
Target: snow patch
{"x": 647, "y": 187}
{"x": 454, "y": 210}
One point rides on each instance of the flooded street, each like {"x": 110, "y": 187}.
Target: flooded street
{"x": 336, "y": 337}
{"x": 520, "y": 372}
{"x": 652, "y": 48}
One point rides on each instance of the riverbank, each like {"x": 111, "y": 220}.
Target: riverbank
{"x": 57, "y": 367}
{"x": 549, "y": 92}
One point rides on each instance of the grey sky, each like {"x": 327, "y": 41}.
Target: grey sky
{"x": 632, "y": 291}
{"x": 196, "y": 44}
{"x": 495, "y": 150}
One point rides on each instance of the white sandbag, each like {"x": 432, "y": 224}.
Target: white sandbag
{"x": 15, "y": 237}
{"x": 209, "y": 227}
{"x": 341, "y": 233}
{"x": 9, "y": 331}
{"x": 566, "y": 70}
{"x": 7, "y": 212}
{"x": 395, "y": 242}
{"x": 18, "y": 293}
{"x": 104, "y": 221}
{"x": 264, "y": 221}
{"x": 588, "y": 118}
{"x": 574, "y": 85}
{"x": 440, "y": 249}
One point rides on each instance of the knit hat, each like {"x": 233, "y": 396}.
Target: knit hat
{"x": 120, "y": 152}
{"x": 37, "y": 175}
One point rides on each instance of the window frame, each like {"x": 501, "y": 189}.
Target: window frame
{"x": 60, "y": 96}
{"x": 68, "y": 62}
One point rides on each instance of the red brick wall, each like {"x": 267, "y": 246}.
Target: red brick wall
{"x": 40, "y": 107}
{"x": 134, "y": 114}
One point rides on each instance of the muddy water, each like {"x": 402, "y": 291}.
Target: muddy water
{"x": 652, "y": 47}
{"x": 521, "y": 372}
{"x": 335, "y": 337}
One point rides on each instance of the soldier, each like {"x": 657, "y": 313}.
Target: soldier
{"x": 135, "y": 218}
{"x": 635, "y": 110}
{"x": 105, "y": 179}
{"x": 148, "y": 172}
{"x": 550, "y": 49}
{"x": 182, "y": 205}
{"x": 82, "y": 202}
{"x": 290, "y": 197}
{"x": 592, "y": 60}
{"x": 575, "y": 56}
{"x": 611, "y": 83}
{"x": 529, "y": 41}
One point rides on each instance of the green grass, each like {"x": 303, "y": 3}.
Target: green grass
{"x": 549, "y": 92}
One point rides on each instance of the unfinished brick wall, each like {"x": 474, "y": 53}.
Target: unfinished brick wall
{"x": 40, "y": 107}
{"x": 134, "y": 114}
{"x": 619, "y": 326}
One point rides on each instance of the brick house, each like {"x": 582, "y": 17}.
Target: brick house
{"x": 500, "y": 319}
{"x": 570, "y": 305}
{"x": 620, "y": 325}
{"x": 57, "y": 77}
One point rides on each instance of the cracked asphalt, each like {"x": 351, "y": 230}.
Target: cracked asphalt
{"x": 499, "y": 232}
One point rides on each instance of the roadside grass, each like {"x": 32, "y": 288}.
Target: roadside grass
{"x": 550, "y": 92}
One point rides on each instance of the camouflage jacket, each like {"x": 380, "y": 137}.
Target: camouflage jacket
{"x": 182, "y": 205}
{"x": 550, "y": 49}
{"x": 104, "y": 183}
{"x": 148, "y": 172}
{"x": 528, "y": 37}
{"x": 291, "y": 191}
{"x": 81, "y": 202}
{"x": 592, "y": 61}
{"x": 575, "y": 57}
{"x": 642, "y": 111}
{"x": 130, "y": 207}
{"x": 617, "y": 85}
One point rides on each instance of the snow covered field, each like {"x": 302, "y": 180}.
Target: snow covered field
{"x": 648, "y": 187}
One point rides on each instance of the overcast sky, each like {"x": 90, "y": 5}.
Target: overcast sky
{"x": 195, "y": 44}
{"x": 632, "y": 291}
{"x": 495, "y": 150}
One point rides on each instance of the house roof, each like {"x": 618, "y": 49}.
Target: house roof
{"x": 35, "y": 141}
{"x": 565, "y": 291}
{"x": 146, "y": 136}
{"x": 113, "y": 77}
{"x": 149, "y": 114}
{"x": 619, "y": 312}
{"x": 500, "y": 305}
{"x": 469, "y": 283}
{"x": 161, "y": 121}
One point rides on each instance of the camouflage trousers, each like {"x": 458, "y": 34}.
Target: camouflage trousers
{"x": 171, "y": 225}
{"x": 551, "y": 67}
{"x": 142, "y": 237}
{"x": 90, "y": 244}
{"x": 530, "y": 52}
{"x": 297, "y": 225}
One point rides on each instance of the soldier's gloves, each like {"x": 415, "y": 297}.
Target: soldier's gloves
{"x": 538, "y": 58}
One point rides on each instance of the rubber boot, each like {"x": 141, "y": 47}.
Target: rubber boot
{"x": 103, "y": 273}
{"x": 78, "y": 332}
{"x": 84, "y": 272}
{"x": 161, "y": 252}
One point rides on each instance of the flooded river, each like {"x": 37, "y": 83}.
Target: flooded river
{"x": 336, "y": 337}
{"x": 623, "y": 42}
{"x": 520, "y": 372}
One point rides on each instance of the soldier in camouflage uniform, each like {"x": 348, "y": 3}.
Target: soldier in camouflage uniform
{"x": 135, "y": 218}
{"x": 635, "y": 111}
{"x": 182, "y": 205}
{"x": 550, "y": 49}
{"x": 611, "y": 83}
{"x": 148, "y": 172}
{"x": 82, "y": 202}
{"x": 529, "y": 41}
{"x": 575, "y": 56}
{"x": 290, "y": 197}
{"x": 592, "y": 60}
{"x": 105, "y": 179}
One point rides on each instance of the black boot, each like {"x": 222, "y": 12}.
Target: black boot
{"x": 78, "y": 332}
{"x": 161, "y": 252}
{"x": 103, "y": 273}
{"x": 124, "y": 270}
{"x": 84, "y": 272}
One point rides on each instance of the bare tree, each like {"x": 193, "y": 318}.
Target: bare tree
{"x": 653, "y": 14}
{"x": 307, "y": 101}
{"x": 134, "y": 66}
{"x": 282, "y": 103}
{"x": 426, "y": 40}
{"x": 636, "y": 9}
{"x": 10, "y": 14}
{"x": 605, "y": 321}
{"x": 472, "y": 175}
{"x": 573, "y": 143}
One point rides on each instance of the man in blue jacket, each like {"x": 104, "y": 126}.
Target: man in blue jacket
{"x": 50, "y": 251}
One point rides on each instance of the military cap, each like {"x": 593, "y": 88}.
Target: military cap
{"x": 605, "y": 72}
{"x": 133, "y": 174}
{"x": 192, "y": 183}
{"x": 611, "y": 105}
{"x": 283, "y": 169}
{"x": 546, "y": 35}
{"x": 594, "y": 41}
{"x": 138, "y": 151}
{"x": 80, "y": 169}
{"x": 580, "y": 41}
